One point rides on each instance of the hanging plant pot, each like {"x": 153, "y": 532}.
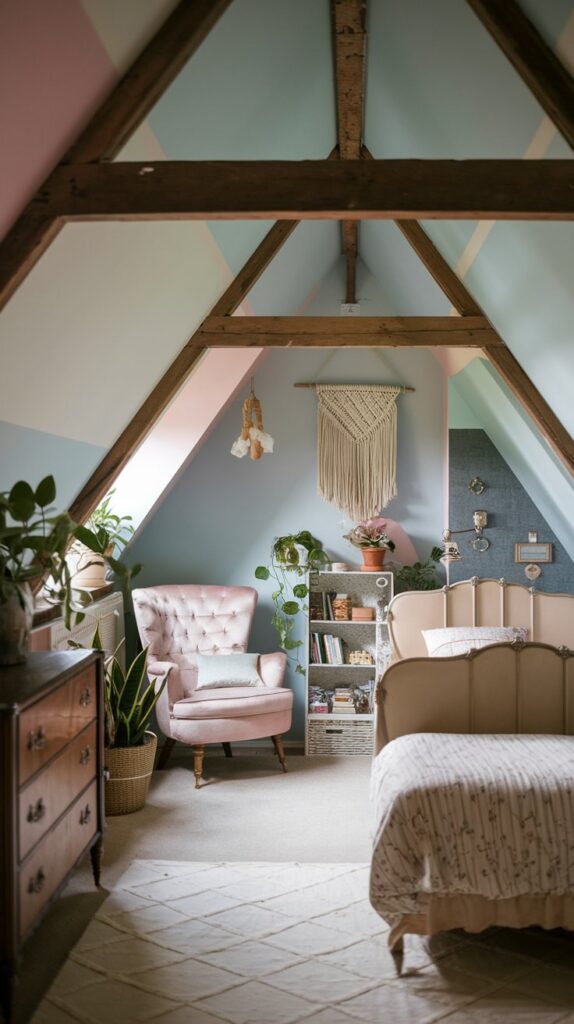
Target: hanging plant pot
{"x": 373, "y": 559}
{"x": 129, "y": 774}
{"x": 16, "y": 614}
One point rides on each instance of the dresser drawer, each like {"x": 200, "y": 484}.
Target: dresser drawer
{"x": 46, "y": 797}
{"x": 57, "y": 853}
{"x": 47, "y": 726}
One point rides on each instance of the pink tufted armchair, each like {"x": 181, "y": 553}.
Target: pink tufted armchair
{"x": 177, "y": 623}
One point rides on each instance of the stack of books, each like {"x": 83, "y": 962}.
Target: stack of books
{"x": 343, "y": 703}
{"x": 326, "y": 649}
{"x": 321, "y": 605}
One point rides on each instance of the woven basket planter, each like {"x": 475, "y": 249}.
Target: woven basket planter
{"x": 130, "y": 770}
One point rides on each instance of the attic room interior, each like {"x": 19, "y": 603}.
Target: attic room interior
{"x": 286, "y": 511}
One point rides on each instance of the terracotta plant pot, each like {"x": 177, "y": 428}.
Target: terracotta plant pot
{"x": 373, "y": 559}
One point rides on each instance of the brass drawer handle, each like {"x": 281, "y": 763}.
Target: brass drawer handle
{"x": 36, "y": 884}
{"x": 85, "y": 815}
{"x": 85, "y": 755}
{"x": 85, "y": 698}
{"x": 37, "y": 740}
{"x": 36, "y": 813}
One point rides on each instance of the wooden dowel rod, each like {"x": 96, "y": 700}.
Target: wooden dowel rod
{"x": 403, "y": 387}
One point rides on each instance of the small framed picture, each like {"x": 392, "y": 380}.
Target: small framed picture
{"x": 531, "y": 552}
{"x": 533, "y": 536}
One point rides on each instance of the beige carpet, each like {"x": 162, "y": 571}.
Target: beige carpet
{"x": 270, "y": 943}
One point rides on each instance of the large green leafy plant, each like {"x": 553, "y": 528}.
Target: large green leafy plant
{"x": 421, "y": 575}
{"x": 33, "y": 545}
{"x": 106, "y": 534}
{"x": 292, "y": 555}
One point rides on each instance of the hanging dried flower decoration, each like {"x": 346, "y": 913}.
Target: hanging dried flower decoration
{"x": 252, "y": 438}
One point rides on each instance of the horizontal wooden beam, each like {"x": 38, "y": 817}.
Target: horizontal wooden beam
{"x": 312, "y": 189}
{"x": 335, "y": 331}
{"x": 536, "y": 63}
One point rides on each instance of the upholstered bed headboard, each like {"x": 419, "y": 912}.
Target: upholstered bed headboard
{"x": 549, "y": 618}
{"x": 504, "y": 688}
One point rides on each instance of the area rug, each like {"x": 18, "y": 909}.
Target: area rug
{"x": 270, "y": 943}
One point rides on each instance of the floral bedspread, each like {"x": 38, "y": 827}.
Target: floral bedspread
{"x": 483, "y": 815}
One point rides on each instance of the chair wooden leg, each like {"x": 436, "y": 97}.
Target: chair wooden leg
{"x": 165, "y": 752}
{"x": 198, "y": 764}
{"x": 227, "y": 749}
{"x": 278, "y": 744}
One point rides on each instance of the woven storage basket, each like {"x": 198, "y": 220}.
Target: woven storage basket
{"x": 130, "y": 770}
{"x": 341, "y": 736}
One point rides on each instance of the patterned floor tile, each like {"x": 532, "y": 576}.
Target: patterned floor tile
{"x": 253, "y": 959}
{"x": 309, "y": 939}
{"x": 549, "y": 983}
{"x": 188, "y": 981}
{"x": 202, "y": 904}
{"x": 252, "y": 921}
{"x": 506, "y": 1006}
{"x": 188, "y": 1015}
{"x": 115, "y": 1002}
{"x": 444, "y": 985}
{"x": 300, "y": 906}
{"x": 392, "y": 1004}
{"x": 99, "y": 933}
{"x": 373, "y": 960}
{"x": 167, "y": 889}
{"x": 358, "y": 919}
{"x": 330, "y": 1016}
{"x": 321, "y": 983}
{"x": 72, "y": 977}
{"x": 195, "y": 936}
{"x": 257, "y": 1003}
{"x": 149, "y": 919}
{"x": 130, "y": 955}
{"x": 49, "y": 1013}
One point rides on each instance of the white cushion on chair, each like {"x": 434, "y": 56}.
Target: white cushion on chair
{"x": 216, "y": 670}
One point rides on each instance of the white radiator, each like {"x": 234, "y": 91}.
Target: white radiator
{"x": 109, "y": 613}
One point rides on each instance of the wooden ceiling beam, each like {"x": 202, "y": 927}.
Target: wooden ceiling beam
{"x": 312, "y": 189}
{"x": 536, "y": 63}
{"x": 175, "y": 376}
{"x": 110, "y": 128}
{"x": 499, "y": 355}
{"x": 336, "y": 331}
{"x": 349, "y": 43}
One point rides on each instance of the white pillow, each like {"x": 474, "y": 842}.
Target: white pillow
{"x": 214, "y": 670}
{"x": 446, "y": 643}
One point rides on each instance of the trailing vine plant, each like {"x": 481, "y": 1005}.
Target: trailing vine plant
{"x": 293, "y": 555}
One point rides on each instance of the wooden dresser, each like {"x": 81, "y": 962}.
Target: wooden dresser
{"x": 51, "y": 788}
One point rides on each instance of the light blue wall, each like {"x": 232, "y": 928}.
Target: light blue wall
{"x": 32, "y": 454}
{"x": 219, "y": 521}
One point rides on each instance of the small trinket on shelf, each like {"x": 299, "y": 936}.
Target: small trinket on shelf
{"x": 361, "y": 614}
{"x": 361, "y": 658}
{"x": 341, "y": 605}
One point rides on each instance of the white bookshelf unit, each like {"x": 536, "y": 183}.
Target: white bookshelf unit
{"x": 333, "y": 732}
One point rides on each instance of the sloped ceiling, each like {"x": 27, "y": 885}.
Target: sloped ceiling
{"x": 103, "y": 314}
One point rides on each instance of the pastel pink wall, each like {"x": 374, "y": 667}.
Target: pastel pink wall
{"x": 54, "y": 72}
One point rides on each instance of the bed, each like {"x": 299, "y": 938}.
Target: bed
{"x": 473, "y": 777}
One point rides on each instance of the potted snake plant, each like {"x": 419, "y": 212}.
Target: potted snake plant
{"x": 130, "y": 745}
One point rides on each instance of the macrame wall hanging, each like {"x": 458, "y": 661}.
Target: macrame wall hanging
{"x": 252, "y": 438}
{"x": 357, "y": 446}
